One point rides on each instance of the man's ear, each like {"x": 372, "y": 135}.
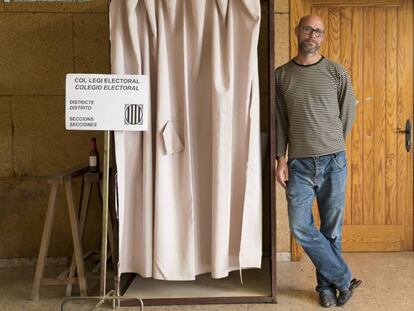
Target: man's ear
{"x": 297, "y": 31}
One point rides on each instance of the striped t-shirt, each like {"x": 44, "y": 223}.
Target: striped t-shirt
{"x": 315, "y": 108}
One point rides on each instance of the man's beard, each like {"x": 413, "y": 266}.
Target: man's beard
{"x": 307, "y": 49}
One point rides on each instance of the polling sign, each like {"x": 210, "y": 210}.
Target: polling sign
{"x": 107, "y": 102}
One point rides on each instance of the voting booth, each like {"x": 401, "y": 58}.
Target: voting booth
{"x": 195, "y": 197}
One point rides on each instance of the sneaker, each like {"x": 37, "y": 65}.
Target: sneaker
{"x": 346, "y": 294}
{"x": 327, "y": 299}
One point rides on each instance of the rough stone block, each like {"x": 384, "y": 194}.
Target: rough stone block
{"x": 38, "y": 55}
{"x": 88, "y": 6}
{"x": 42, "y": 146}
{"x": 91, "y": 43}
{"x": 21, "y": 221}
{"x": 23, "y": 208}
{"x": 282, "y": 41}
{"x": 282, "y": 6}
{"x": 6, "y": 146}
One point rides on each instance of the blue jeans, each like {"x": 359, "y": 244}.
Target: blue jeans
{"x": 325, "y": 178}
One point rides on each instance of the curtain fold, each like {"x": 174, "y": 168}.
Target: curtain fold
{"x": 190, "y": 187}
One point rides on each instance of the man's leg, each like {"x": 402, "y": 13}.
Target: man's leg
{"x": 330, "y": 196}
{"x": 300, "y": 195}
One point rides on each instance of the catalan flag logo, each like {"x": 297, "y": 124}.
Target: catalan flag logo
{"x": 133, "y": 114}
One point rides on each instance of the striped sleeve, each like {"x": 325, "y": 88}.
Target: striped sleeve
{"x": 347, "y": 102}
{"x": 281, "y": 122}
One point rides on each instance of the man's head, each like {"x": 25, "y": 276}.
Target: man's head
{"x": 310, "y": 33}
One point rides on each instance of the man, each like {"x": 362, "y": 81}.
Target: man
{"x": 315, "y": 112}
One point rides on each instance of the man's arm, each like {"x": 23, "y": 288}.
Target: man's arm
{"x": 282, "y": 174}
{"x": 347, "y": 103}
{"x": 281, "y": 122}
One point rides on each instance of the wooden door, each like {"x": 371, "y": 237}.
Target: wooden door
{"x": 374, "y": 41}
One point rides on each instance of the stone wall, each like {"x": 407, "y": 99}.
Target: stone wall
{"x": 41, "y": 42}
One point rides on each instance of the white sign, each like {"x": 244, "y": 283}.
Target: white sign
{"x": 107, "y": 102}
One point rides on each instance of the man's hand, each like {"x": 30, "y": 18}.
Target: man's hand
{"x": 282, "y": 173}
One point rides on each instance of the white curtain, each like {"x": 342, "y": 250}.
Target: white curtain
{"x": 190, "y": 187}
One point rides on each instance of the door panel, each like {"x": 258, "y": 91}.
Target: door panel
{"x": 392, "y": 214}
{"x": 373, "y": 40}
{"x": 366, "y": 104}
{"x": 355, "y": 177}
{"x": 345, "y": 58}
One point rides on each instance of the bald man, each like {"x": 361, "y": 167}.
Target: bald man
{"x": 315, "y": 106}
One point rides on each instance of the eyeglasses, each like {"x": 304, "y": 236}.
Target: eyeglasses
{"x": 308, "y": 31}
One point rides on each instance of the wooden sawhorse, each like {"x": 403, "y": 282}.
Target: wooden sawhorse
{"x": 77, "y": 228}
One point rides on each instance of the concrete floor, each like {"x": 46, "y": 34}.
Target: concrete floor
{"x": 388, "y": 284}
